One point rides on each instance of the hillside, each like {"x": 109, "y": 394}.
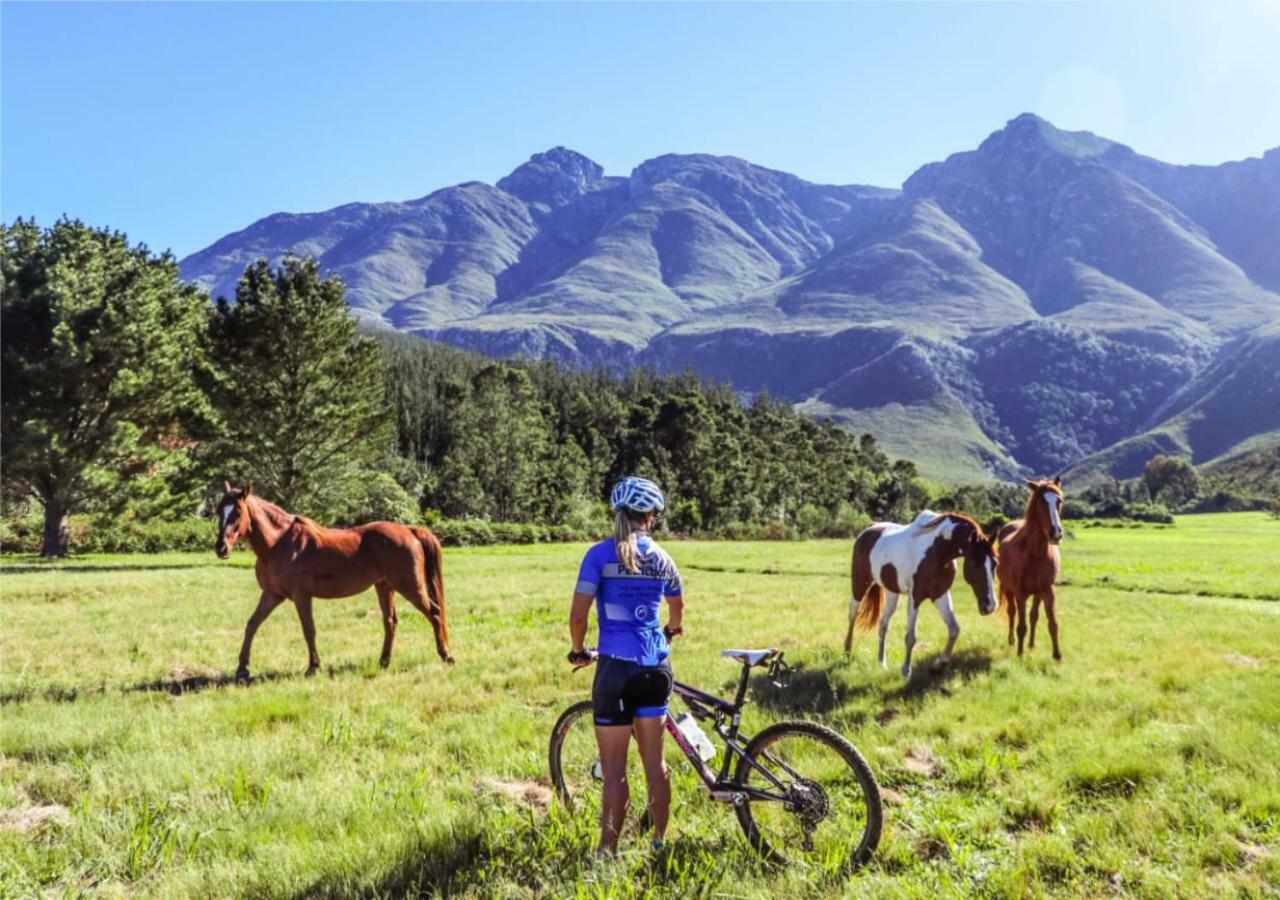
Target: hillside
{"x": 1047, "y": 300}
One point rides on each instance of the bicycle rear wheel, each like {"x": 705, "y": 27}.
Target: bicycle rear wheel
{"x": 827, "y": 811}
{"x": 575, "y": 767}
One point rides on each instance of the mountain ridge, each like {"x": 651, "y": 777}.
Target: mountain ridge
{"x": 1022, "y": 306}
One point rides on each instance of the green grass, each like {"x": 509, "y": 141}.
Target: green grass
{"x": 1147, "y": 762}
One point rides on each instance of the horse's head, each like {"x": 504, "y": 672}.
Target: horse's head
{"x": 1044, "y": 506}
{"x": 979, "y": 555}
{"x": 233, "y": 517}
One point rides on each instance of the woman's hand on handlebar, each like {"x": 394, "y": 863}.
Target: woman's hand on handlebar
{"x": 580, "y": 658}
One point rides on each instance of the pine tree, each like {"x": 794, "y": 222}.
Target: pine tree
{"x": 301, "y": 394}
{"x": 101, "y": 345}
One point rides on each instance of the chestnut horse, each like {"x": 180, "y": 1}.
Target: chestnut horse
{"x": 299, "y": 560}
{"x": 1029, "y": 561}
{"x": 917, "y": 560}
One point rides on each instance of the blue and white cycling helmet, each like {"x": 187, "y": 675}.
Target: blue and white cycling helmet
{"x": 637, "y": 494}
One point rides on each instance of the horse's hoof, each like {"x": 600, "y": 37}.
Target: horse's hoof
{"x": 448, "y": 660}
{"x": 311, "y": 671}
{"x": 1057, "y": 657}
{"x": 384, "y": 662}
{"x": 939, "y": 664}
{"x": 906, "y": 671}
{"x": 242, "y": 676}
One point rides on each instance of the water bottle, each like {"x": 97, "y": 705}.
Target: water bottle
{"x": 696, "y": 737}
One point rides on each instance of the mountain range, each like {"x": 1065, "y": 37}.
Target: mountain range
{"x": 1048, "y": 301}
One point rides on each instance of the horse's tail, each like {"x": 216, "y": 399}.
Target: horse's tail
{"x": 433, "y": 573}
{"x": 869, "y": 607}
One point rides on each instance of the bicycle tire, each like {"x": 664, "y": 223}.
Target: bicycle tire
{"x": 825, "y": 736}
{"x": 554, "y": 760}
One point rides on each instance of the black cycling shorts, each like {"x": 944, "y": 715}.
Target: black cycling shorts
{"x": 625, "y": 691}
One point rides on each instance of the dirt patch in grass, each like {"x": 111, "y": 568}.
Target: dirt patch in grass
{"x": 1239, "y": 659}
{"x": 921, "y": 761}
{"x": 33, "y": 818}
{"x": 533, "y": 794}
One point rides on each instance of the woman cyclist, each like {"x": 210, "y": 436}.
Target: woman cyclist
{"x": 627, "y": 577}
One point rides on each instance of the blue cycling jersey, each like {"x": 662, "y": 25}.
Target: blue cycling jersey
{"x": 627, "y": 603}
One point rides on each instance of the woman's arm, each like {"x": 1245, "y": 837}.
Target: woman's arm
{"x": 578, "y": 615}
{"x": 675, "y": 612}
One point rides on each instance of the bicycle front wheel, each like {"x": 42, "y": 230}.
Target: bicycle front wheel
{"x": 818, "y": 805}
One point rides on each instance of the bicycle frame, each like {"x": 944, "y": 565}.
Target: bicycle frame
{"x": 707, "y": 706}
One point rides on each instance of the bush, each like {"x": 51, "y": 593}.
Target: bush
{"x": 90, "y": 535}
{"x": 1078, "y": 509}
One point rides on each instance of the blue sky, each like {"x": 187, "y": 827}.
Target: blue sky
{"x": 181, "y": 122}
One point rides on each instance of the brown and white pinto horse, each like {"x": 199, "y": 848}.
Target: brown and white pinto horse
{"x": 299, "y": 560}
{"x": 1029, "y": 561}
{"x": 917, "y": 560}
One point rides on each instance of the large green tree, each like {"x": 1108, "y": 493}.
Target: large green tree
{"x": 1170, "y": 479}
{"x": 300, "y": 393}
{"x": 101, "y": 344}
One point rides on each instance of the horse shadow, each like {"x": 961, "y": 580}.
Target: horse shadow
{"x": 203, "y": 681}
{"x": 929, "y": 676}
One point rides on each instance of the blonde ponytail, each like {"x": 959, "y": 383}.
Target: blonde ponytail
{"x": 625, "y": 532}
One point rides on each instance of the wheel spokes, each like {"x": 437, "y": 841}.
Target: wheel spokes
{"x": 824, "y": 814}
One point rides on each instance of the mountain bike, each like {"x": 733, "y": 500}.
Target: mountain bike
{"x": 801, "y": 791}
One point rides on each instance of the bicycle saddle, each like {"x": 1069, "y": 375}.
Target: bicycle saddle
{"x": 750, "y": 657}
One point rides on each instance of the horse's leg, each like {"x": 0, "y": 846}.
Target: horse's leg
{"x": 913, "y": 613}
{"x": 266, "y": 603}
{"x": 1050, "y": 610}
{"x": 853, "y": 614}
{"x": 1011, "y": 606}
{"x": 890, "y": 605}
{"x": 947, "y": 611}
{"x": 303, "y": 605}
{"x": 1022, "y": 620}
{"x": 418, "y": 597}
{"x": 1035, "y": 617}
{"x": 387, "y": 602}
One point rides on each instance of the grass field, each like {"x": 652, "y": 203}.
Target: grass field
{"x": 1148, "y": 762}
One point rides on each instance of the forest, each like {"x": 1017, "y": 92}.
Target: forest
{"x": 129, "y": 398}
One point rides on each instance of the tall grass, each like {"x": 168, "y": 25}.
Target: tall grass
{"x": 1148, "y": 762}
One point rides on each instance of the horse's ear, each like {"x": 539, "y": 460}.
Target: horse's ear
{"x": 248, "y": 489}
{"x": 1057, "y": 481}
{"x": 226, "y": 486}
{"x": 1030, "y": 483}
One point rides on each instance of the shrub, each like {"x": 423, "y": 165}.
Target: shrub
{"x": 1077, "y": 509}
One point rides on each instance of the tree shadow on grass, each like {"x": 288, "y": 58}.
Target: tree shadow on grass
{"x": 107, "y": 567}
{"x": 428, "y": 866}
{"x": 928, "y": 676}
{"x": 805, "y": 690}
{"x": 174, "y": 685}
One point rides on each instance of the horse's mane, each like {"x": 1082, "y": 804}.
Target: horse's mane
{"x": 953, "y": 517}
{"x": 278, "y": 513}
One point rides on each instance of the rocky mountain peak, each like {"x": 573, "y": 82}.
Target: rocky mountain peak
{"x": 1028, "y": 133}
{"x": 555, "y": 178}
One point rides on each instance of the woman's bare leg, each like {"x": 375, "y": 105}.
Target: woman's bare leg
{"x": 649, "y": 733}
{"x": 613, "y": 742}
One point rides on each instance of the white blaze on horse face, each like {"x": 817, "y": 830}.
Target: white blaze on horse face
{"x": 226, "y": 517}
{"x": 991, "y": 585}
{"x": 1052, "y": 500}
